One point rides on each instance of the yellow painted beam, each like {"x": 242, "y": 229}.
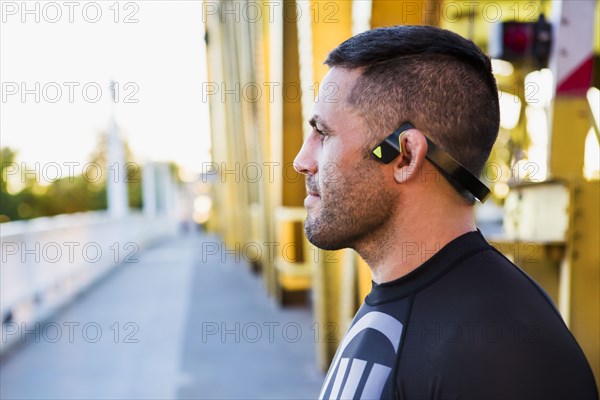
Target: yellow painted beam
{"x": 293, "y": 187}
{"x": 219, "y": 123}
{"x": 270, "y": 31}
{"x": 583, "y": 285}
{"x": 404, "y": 12}
{"x": 331, "y": 24}
{"x": 571, "y": 122}
{"x": 364, "y": 279}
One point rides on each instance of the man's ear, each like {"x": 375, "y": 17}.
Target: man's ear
{"x": 409, "y": 163}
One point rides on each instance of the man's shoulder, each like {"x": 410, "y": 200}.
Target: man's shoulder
{"x": 488, "y": 274}
{"x": 488, "y": 288}
{"x": 487, "y": 310}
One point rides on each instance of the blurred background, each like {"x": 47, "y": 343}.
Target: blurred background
{"x": 151, "y": 219}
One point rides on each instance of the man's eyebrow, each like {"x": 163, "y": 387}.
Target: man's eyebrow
{"x": 318, "y": 120}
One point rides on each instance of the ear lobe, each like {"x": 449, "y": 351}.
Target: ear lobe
{"x": 414, "y": 148}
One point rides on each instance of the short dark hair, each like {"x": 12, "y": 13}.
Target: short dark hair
{"x": 434, "y": 78}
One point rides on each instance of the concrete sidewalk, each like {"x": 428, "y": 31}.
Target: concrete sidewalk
{"x": 176, "y": 325}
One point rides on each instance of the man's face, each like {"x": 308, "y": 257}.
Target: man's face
{"x": 348, "y": 196}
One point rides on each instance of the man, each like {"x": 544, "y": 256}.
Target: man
{"x": 404, "y": 122}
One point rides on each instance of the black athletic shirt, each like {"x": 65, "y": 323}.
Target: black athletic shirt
{"x": 466, "y": 324}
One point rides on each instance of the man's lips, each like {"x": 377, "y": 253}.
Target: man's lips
{"x": 313, "y": 195}
{"x": 311, "y": 200}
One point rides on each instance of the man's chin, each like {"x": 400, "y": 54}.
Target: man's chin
{"x": 317, "y": 237}
{"x": 326, "y": 246}
{"x": 313, "y": 214}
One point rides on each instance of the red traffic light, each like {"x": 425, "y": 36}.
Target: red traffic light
{"x": 517, "y": 40}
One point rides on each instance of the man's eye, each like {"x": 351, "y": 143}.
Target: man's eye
{"x": 320, "y": 132}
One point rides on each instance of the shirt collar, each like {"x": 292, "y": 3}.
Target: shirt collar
{"x": 432, "y": 269}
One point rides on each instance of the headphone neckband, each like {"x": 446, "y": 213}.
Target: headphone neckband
{"x": 461, "y": 179}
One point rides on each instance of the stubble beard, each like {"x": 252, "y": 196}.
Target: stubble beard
{"x": 353, "y": 210}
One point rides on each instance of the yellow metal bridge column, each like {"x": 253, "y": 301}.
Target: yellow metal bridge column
{"x": 233, "y": 127}
{"x": 269, "y": 48}
{"x": 405, "y": 12}
{"x": 220, "y": 122}
{"x": 293, "y": 279}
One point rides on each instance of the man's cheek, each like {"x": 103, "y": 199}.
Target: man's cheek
{"x": 330, "y": 173}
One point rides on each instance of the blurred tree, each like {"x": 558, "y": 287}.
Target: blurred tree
{"x": 8, "y": 202}
{"x": 24, "y": 197}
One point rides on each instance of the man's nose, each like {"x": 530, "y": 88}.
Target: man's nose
{"x": 305, "y": 162}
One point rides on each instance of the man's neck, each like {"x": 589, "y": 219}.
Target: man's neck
{"x": 414, "y": 239}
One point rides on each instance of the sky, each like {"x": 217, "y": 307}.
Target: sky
{"x": 63, "y": 52}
